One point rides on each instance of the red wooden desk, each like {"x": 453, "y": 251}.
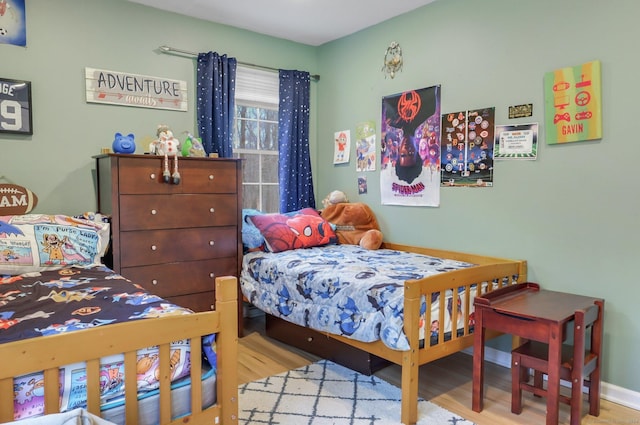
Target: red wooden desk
{"x": 529, "y": 312}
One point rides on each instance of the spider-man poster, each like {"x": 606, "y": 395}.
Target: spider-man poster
{"x": 410, "y": 151}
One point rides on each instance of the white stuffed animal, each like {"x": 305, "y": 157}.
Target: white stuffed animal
{"x": 167, "y": 145}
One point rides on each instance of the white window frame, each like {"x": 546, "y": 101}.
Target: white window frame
{"x": 256, "y": 88}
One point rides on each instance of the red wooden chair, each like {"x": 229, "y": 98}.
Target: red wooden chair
{"x": 581, "y": 368}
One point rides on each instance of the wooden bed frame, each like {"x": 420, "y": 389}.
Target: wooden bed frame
{"x": 48, "y": 353}
{"x": 489, "y": 269}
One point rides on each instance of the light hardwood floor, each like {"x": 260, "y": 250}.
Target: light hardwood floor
{"x": 445, "y": 382}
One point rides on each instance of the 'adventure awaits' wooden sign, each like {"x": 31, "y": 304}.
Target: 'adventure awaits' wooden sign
{"x": 119, "y": 88}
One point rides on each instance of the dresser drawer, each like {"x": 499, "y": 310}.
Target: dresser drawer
{"x": 204, "y": 301}
{"x": 146, "y": 247}
{"x": 204, "y": 175}
{"x": 172, "y": 279}
{"x": 142, "y": 212}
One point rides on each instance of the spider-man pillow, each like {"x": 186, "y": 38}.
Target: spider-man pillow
{"x": 298, "y": 229}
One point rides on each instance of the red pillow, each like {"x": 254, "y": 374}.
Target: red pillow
{"x": 299, "y": 229}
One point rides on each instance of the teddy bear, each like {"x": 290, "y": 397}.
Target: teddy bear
{"x": 355, "y": 223}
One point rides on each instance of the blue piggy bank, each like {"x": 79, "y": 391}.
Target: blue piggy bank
{"x": 123, "y": 144}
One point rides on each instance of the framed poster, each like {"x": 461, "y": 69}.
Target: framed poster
{"x": 15, "y": 106}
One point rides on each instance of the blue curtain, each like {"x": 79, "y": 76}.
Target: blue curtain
{"x": 294, "y": 170}
{"x": 216, "y": 76}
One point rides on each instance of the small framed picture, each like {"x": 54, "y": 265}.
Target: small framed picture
{"x": 15, "y": 106}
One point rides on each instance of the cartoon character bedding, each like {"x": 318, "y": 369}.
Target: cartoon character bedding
{"x": 346, "y": 290}
{"x": 50, "y": 283}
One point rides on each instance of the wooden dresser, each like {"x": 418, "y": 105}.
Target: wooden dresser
{"x": 173, "y": 239}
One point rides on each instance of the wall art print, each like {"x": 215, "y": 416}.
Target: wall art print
{"x": 13, "y": 27}
{"x": 410, "y": 149}
{"x": 573, "y": 104}
{"x": 467, "y": 148}
{"x": 342, "y": 146}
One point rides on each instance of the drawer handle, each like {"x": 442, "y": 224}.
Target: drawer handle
{"x": 152, "y": 176}
{"x": 212, "y": 243}
{"x": 212, "y": 210}
{"x": 210, "y": 176}
{"x": 310, "y": 339}
{"x": 153, "y": 247}
{"x": 212, "y": 275}
{"x": 154, "y": 282}
{"x": 154, "y": 212}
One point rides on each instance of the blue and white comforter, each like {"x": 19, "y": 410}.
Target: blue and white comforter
{"x": 342, "y": 289}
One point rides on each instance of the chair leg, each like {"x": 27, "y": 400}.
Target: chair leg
{"x": 518, "y": 374}
{"x": 538, "y": 380}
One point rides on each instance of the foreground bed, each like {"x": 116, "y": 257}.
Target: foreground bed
{"x": 451, "y": 322}
{"x": 52, "y": 352}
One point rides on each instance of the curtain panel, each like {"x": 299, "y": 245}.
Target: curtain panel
{"x": 294, "y": 171}
{"x": 215, "y": 105}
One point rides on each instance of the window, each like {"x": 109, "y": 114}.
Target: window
{"x": 255, "y": 137}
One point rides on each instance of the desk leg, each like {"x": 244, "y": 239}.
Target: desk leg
{"x": 555, "y": 360}
{"x": 478, "y": 362}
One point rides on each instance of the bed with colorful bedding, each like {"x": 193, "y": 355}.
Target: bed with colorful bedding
{"x": 408, "y": 305}
{"x": 76, "y": 335}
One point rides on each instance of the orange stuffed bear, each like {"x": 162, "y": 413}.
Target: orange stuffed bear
{"x": 355, "y": 224}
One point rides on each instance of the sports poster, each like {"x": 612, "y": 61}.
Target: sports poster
{"x": 13, "y": 28}
{"x": 410, "y": 148}
{"x": 516, "y": 141}
{"x": 467, "y": 148}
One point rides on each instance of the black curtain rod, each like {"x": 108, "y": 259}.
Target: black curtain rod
{"x": 167, "y": 49}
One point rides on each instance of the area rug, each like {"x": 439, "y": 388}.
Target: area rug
{"x": 325, "y": 393}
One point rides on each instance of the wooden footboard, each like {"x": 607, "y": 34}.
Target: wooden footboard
{"x": 490, "y": 273}
{"x": 49, "y": 353}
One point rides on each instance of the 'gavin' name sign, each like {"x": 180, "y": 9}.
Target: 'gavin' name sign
{"x": 119, "y": 88}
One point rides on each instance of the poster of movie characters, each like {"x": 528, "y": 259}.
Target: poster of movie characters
{"x": 410, "y": 148}
{"x": 467, "y": 148}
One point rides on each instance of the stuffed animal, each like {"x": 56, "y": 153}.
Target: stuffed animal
{"x": 167, "y": 145}
{"x": 334, "y": 197}
{"x": 123, "y": 144}
{"x": 356, "y": 224}
{"x": 192, "y": 146}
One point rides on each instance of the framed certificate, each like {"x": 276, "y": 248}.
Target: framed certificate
{"x": 15, "y": 106}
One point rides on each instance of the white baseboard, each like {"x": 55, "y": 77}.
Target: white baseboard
{"x": 609, "y": 392}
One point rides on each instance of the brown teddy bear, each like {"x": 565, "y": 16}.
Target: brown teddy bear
{"x": 355, "y": 223}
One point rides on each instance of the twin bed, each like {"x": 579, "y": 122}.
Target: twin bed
{"x": 405, "y": 304}
{"x": 77, "y": 337}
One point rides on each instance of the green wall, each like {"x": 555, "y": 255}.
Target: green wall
{"x": 571, "y": 213}
{"x": 64, "y": 37}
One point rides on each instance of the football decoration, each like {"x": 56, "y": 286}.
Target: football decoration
{"x": 16, "y": 200}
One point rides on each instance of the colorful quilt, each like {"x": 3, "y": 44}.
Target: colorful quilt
{"x": 345, "y": 289}
{"x": 73, "y": 298}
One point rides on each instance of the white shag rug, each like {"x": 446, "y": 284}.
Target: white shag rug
{"x": 325, "y": 393}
